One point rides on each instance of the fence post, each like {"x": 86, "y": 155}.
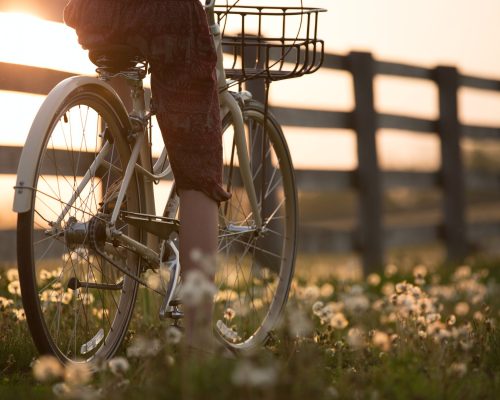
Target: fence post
{"x": 452, "y": 175}
{"x": 361, "y": 66}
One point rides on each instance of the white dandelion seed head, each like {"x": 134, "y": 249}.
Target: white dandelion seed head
{"x": 229, "y": 314}
{"x": 373, "y": 279}
{"x": 77, "y": 374}
{"x": 173, "y": 335}
{"x": 5, "y": 302}
{"x": 381, "y": 340}
{"x": 196, "y": 288}
{"x": 12, "y": 274}
{"x": 326, "y": 290}
{"x": 118, "y": 366}
{"x": 47, "y": 368}
{"x": 14, "y": 287}
{"x": 143, "y": 347}
{"x": 338, "y": 321}
{"x": 248, "y": 374}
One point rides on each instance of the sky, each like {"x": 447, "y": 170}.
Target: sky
{"x": 428, "y": 33}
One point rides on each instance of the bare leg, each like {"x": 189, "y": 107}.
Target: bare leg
{"x": 198, "y": 232}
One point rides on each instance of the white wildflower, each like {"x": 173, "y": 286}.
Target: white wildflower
{"x": 381, "y": 339}
{"x": 373, "y": 279}
{"x": 118, "y": 366}
{"x": 298, "y": 323}
{"x": 143, "y": 347}
{"x": 338, "y": 321}
{"x": 12, "y": 274}
{"x": 47, "y": 368}
{"x": 173, "y": 335}
{"x": 247, "y": 373}
{"x": 14, "y": 287}
{"x": 356, "y": 338}
{"x": 196, "y": 288}
{"x": 77, "y": 374}
{"x": 326, "y": 290}
{"x": 458, "y": 369}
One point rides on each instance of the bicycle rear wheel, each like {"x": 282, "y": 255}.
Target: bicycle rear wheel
{"x": 78, "y": 305}
{"x": 255, "y": 266}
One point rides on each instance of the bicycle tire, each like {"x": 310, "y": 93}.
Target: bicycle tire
{"x": 78, "y": 324}
{"x": 255, "y": 269}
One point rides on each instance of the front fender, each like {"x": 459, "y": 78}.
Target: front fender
{"x": 37, "y": 136}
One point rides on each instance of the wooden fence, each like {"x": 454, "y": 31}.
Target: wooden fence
{"x": 370, "y": 238}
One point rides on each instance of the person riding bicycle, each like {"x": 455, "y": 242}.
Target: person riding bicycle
{"x": 174, "y": 37}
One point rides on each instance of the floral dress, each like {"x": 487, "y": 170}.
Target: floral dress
{"x": 174, "y": 36}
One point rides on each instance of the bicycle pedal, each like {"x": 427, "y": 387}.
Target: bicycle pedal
{"x": 161, "y": 227}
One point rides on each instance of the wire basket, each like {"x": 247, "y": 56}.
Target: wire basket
{"x": 274, "y": 43}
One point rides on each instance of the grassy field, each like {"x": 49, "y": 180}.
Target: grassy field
{"x": 420, "y": 332}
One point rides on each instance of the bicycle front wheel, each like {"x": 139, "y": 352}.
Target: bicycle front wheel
{"x": 77, "y": 303}
{"x": 255, "y": 265}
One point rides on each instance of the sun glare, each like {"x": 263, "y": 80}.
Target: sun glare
{"x": 29, "y": 40}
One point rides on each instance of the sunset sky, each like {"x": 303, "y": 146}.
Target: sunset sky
{"x": 426, "y": 32}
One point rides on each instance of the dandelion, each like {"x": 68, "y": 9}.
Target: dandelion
{"x": 326, "y": 290}
{"x": 420, "y": 271}
{"x": 466, "y": 345}
{"x": 143, "y": 347}
{"x": 339, "y": 321}
{"x": 5, "y": 303}
{"x": 86, "y": 298}
{"x": 390, "y": 270}
{"x": 388, "y": 289}
{"x": 229, "y": 314}
{"x": 309, "y": 294}
{"x": 332, "y": 392}
{"x": 381, "y": 340}
{"x": 458, "y": 369}
{"x": 247, "y": 373}
{"x": 100, "y": 313}
{"x": 14, "y": 287}
{"x": 462, "y": 272}
{"x": 196, "y": 288}
{"x": 478, "y": 316}
{"x": 355, "y": 338}
{"x": 317, "y": 307}
{"x": 153, "y": 280}
{"x": 77, "y": 374}
{"x": 66, "y": 297}
{"x": 44, "y": 275}
{"x": 226, "y": 295}
{"x": 47, "y": 368}
{"x": 173, "y": 335}
{"x": 118, "y": 366}
{"x": 61, "y": 389}
{"x": 373, "y": 279}
{"x": 298, "y": 323}
{"x": 12, "y": 275}
{"x": 57, "y": 273}
{"x": 357, "y": 303}
{"x": 205, "y": 261}
{"x": 20, "y": 314}
{"x": 401, "y": 287}
{"x": 462, "y": 308}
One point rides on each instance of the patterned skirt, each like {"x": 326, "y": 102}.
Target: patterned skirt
{"x": 174, "y": 36}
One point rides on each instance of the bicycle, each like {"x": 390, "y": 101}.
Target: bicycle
{"x": 88, "y": 231}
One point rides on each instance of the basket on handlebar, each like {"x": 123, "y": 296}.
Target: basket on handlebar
{"x": 270, "y": 42}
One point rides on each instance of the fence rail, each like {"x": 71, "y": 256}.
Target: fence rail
{"x": 369, "y": 234}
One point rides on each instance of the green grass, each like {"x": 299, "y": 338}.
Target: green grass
{"x": 391, "y": 353}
